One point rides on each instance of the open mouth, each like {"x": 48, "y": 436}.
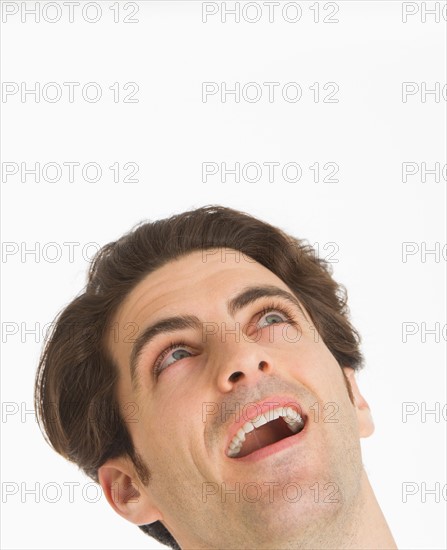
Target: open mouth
{"x": 265, "y": 430}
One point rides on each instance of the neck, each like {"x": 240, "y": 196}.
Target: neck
{"x": 359, "y": 526}
{"x": 364, "y": 526}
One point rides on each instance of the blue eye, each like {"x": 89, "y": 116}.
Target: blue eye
{"x": 273, "y": 310}
{"x": 269, "y": 313}
{"x": 180, "y": 351}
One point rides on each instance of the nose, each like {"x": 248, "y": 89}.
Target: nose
{"x": 240, "y": 363}
{"x": 235, "y": 376}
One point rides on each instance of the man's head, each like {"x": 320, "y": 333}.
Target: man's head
{"x": 255, "y": 323}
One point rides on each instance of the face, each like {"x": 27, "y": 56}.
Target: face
{"x": 198, "y": 386}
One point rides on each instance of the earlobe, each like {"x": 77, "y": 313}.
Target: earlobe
{"x": 364, "y": 417}
{"x": 125, "y": 493}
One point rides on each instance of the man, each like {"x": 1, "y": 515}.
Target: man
{"x": 205, "y": 378}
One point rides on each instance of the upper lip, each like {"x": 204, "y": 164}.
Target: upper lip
{"x": 253, "y": 409}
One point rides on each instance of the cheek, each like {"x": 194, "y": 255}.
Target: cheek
{"x": 319, "y": 370}
{"x": 312, "y": 353}
{"x": 154, "y": 441}
{"x": 164, "y": 428}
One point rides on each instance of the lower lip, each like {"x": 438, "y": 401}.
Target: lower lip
{"x": 273, "y": 448}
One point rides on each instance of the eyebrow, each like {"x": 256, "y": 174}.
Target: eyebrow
{"x": 170, "y": 325}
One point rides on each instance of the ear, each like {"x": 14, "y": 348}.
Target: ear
{"x": 365, "y": 421}
{"x": 126, "y": 494}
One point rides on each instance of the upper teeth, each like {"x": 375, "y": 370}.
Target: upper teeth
{"x": 292, "y": 417}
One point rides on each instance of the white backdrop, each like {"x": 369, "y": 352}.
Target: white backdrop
{"x": 347, "y": 98}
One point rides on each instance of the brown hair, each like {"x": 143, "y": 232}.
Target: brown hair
{"x": 75, "y": 397}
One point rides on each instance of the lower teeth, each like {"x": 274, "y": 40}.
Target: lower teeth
{"x": 294, "y": 427}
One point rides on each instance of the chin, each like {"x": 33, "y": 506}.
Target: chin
{"x": 287, "y": 511}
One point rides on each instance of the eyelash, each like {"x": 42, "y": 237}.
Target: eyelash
{"x": 284, "y": 310}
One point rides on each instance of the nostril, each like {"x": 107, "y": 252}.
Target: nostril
{"x": 262, "y": 365}
{"x": 235, "y": 376}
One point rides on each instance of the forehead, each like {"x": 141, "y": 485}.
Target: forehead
{"x": 192, "y": 279}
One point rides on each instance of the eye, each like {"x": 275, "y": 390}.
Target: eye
{"x": 179, "y": 352}
{"x": 283, "y": 315}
